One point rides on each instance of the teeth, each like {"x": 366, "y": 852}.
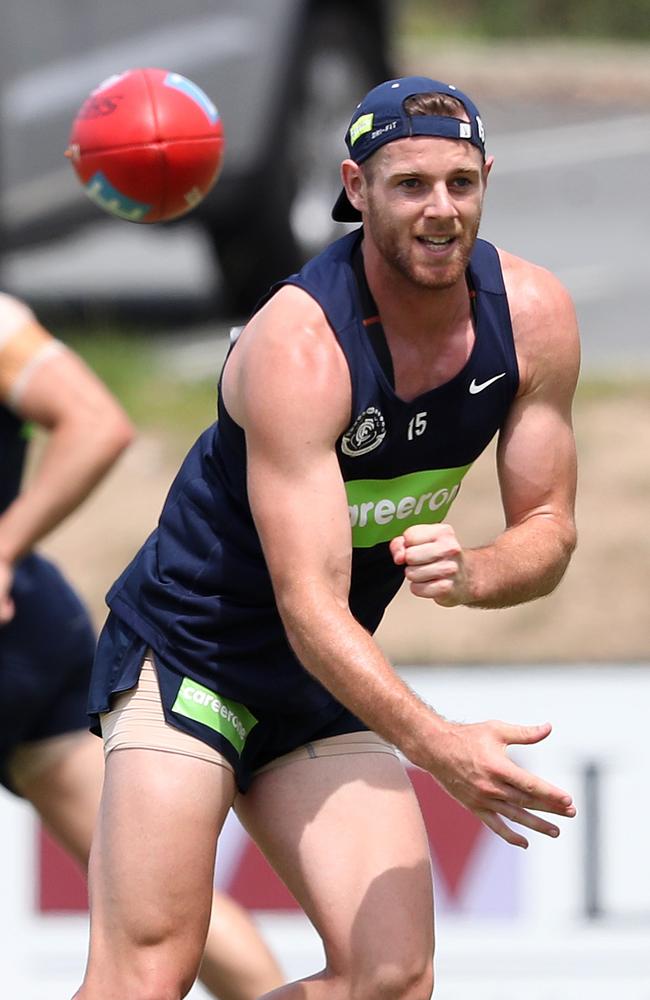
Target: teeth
{"x": 437, "y": 241}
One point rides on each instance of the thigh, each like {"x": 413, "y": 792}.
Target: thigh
{"x": 62, "y": 777}
{"x": 152, "y": 862}
{"x": 346, "y": 835}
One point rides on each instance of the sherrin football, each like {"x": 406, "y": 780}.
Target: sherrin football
{"x": 147, "y": 145}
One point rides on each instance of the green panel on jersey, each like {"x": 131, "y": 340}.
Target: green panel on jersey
{"x": 224, "y": 715}
{"x": 380, "y": 509}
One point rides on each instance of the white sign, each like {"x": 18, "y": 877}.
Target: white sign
{"x": 565, "y": 920}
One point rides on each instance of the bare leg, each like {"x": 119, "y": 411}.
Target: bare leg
{"x": 346, "y": 835}
{"x": 151, "y": 874}
{"x": 237, "y": 965}
{"x": 62, "y": 778}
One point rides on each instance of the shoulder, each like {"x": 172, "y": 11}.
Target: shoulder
{"x": 14, "y": 315}
{"x": 24, "y": 346}
{"x": 289, "y": 351}
{"x": 533, "y": 291}
{"x": 291, "y": 305}
{"x": 293, "y": 325}
{"x": 544, "y": 321}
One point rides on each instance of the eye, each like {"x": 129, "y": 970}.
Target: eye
{"x": 411, "y": 183}
{"x": 462, "y": 183}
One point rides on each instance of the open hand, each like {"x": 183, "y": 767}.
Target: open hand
{"x": 472, "y": 765}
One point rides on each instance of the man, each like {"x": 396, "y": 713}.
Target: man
{"x": 47, "y": 641}
{"x": 350, "y": 408}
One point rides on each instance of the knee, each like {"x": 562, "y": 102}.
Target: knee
{"x": 142, "y": 978}
{"x": 157, "y": 988}
{"x": 160, "y": 991}
{"x": 411, "y": 979}
{"x": 135, "y": 989}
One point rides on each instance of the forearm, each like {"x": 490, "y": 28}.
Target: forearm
{"x": 525, "y": 562}
{"x": 342, "y": 655}
{"x": 72, "y": 463}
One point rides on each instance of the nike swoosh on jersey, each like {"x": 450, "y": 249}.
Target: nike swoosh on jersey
{"x": 475, "y": 386}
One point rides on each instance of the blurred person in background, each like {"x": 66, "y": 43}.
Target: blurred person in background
{"x": 47, "y": 641}
{"x": 350, "y": 408}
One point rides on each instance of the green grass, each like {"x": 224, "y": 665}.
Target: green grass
{"x": 627, "y": 19}
{"x": 151, "y": 395}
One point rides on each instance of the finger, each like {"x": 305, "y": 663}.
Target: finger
{"x": 530, "y": 792}
{"x": 442, "y": 569}
{"x": 534, "y": 793}
{"x": 421, "y": 534}
{"x": 441, "y": 591}
{"x": 525, "y": 818}
{"x": 494, "y": 822}
{"x": 524, "y": 735}
{"x": 398, "y": 550}
{"x": 516, "y": 786}
{"x": 432, "y": 552}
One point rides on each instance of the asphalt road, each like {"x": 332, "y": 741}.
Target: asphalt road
{"x": 568, "y": 191}
{"x": 574, "y": 198}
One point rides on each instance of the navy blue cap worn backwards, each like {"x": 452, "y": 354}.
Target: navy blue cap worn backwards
{"x": 381, "y": 118}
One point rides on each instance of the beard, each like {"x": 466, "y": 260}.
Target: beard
{"x": 397, "y": 250}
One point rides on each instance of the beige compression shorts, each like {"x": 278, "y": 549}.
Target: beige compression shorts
{"x": 137, "y": 721}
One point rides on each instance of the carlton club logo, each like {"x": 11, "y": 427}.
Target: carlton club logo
{"x": 366, "y": 434}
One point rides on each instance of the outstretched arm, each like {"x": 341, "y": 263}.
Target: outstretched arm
{"x": 287, "y": 385}
{"x": 47, "y": 384}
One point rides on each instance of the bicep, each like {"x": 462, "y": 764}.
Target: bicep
{"x": 289, "y": 389}
{"x": 536, "y": 460}
{"x": 301, "y": 514}
{"x": 536, "y": 455}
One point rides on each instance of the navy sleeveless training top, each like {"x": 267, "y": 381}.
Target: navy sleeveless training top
{"x": 199, "y": 592}
{"x": 13, "y": 445}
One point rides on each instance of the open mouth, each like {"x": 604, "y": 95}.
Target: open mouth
{"x": 437, "y": 244}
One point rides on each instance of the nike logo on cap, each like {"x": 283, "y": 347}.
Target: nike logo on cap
{"x": 475, "y": 386}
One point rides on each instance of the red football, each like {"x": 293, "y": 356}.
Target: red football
{"x": 147, "y": 145}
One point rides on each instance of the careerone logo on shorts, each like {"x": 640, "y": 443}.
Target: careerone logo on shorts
{"x": 224, "y": 715}
{"x": 380, "y": 509}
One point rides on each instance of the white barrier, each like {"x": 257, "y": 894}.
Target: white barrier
{"x": 563, "y": 921}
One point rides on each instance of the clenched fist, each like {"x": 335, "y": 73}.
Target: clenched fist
{"x": 434, "y": 564}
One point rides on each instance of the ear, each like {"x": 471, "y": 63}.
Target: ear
{"x": 354, "y": 184}
{"x": 487, "y": 167}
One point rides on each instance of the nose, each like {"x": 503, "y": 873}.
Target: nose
{"x": 440, "y": 205}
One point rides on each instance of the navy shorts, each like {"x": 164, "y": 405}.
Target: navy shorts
{"x": 247, "y": 736}
{"x": 46, "y": 655}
